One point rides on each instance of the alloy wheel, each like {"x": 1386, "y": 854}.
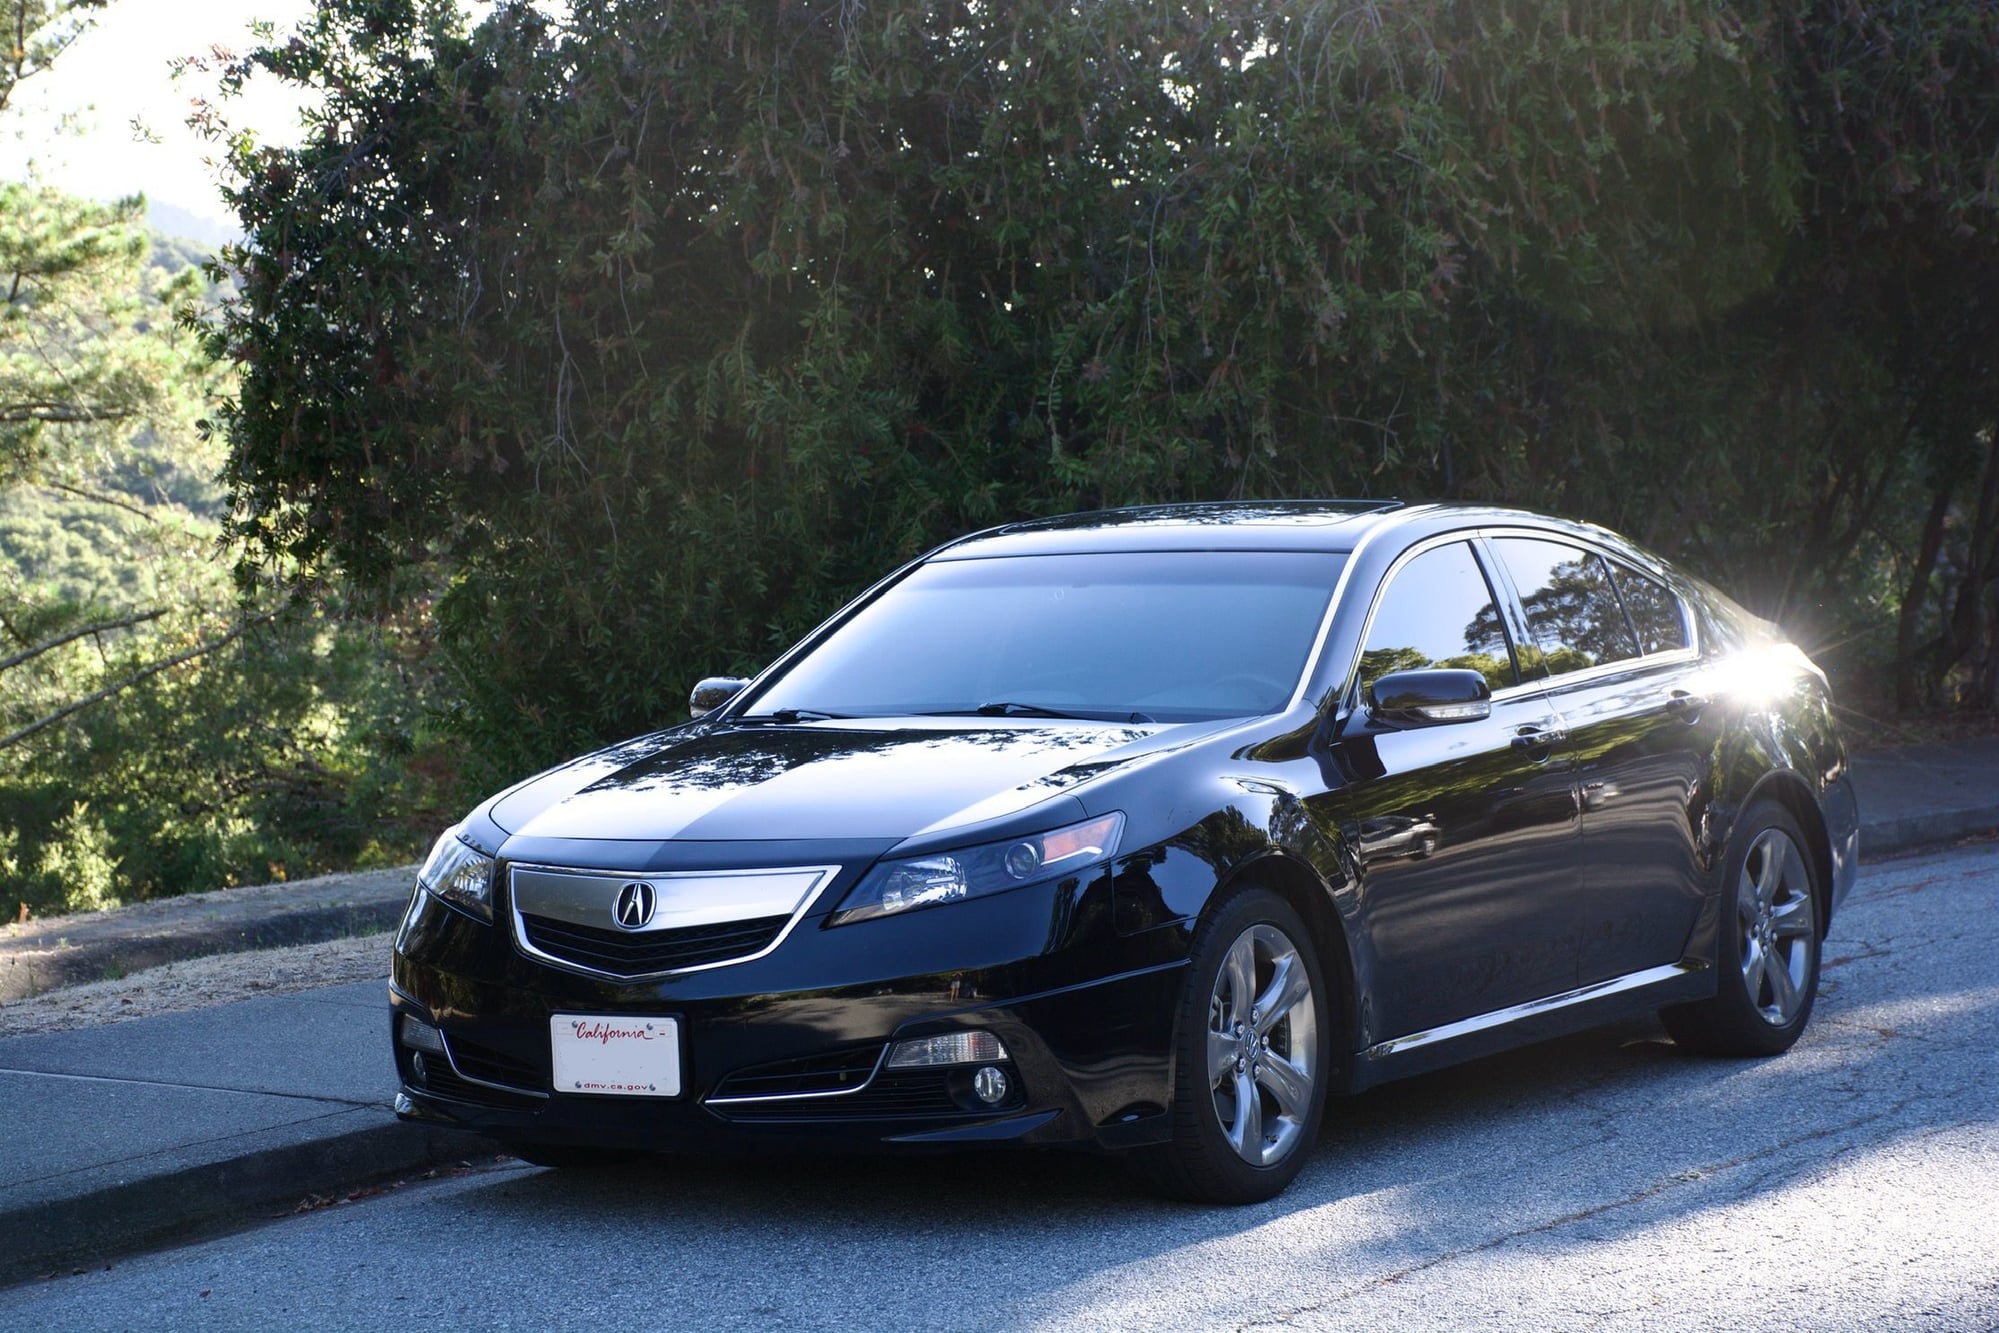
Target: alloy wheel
{"x": 1777, "y": 918}
{"x": 1262, "y": 1045}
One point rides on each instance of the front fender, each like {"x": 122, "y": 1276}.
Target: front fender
{"x": 1264, "y": 835}
{"x": 1791, "y": 752}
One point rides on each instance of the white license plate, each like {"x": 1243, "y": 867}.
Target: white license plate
{"x": 615, "y": 1055}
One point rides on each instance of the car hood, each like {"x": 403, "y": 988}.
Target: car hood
{"x": 847, "y": 779}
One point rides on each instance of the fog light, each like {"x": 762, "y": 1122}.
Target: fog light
{"x": 990, "y": 1085}
{"x": 421, "y": 1036}
{"x": 957, "y": 1048}
{"x": 418, "y": 1067}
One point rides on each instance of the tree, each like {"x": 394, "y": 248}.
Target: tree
{"x": 158, "y": 731}
{"x": 646, "y": 338}
{"x": 37, "y": 31}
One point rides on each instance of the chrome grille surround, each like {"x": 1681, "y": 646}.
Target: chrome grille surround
{"x": 687, "y": 900}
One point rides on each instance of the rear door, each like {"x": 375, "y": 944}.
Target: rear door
{"x": 1611, "y": 646}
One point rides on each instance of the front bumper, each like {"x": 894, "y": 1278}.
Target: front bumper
{"x": 786, "y": 1050}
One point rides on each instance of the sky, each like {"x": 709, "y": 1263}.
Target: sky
{"x": 119, "y": 71}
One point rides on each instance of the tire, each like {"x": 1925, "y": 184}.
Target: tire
{"x": 565, "y": 1155}
{"x": 1228, "y": 1147}
{"x": 1767, "y": 950}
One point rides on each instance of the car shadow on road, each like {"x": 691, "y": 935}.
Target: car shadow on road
{"x": 1587, "y": 1139}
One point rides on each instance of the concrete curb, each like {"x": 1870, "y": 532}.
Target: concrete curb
{"x": 122, "y": 1215}
{"x": 1929, "y": 832}
{"x": 47, "y": 954}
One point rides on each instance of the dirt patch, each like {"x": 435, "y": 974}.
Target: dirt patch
{"x": 198, "y": 983}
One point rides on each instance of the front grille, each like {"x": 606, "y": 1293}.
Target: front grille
{"x": 835, "y": 1072}
{"x": 641, "y": 953}
{"x": 916, "y": 1094}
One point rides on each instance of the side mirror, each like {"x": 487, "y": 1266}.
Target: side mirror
{"x": 1441, "y": 694}
{"x": 712, "y": 693}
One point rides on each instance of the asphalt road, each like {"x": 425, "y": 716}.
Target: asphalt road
{"x": 1605, "y": 1181}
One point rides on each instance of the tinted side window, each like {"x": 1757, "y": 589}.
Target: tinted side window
{"x": 1572, "y": 607}
{"x": 1655, "y": 611}
{"x": 1437, "y": 612}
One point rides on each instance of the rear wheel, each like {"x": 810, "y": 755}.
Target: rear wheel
{"x": 1251, "y": 1057}
{"x": 1767, "y": 955}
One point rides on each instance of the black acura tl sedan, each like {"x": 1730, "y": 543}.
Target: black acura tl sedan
{"x": 1147, "y": 831}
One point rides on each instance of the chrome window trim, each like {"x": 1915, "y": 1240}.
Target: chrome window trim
{"x": 827, "y": 875}
{"x": 1689, "y": 624}
{"x": 1622, "y": 666}
{"x": 1350, "y": 682}
{"x": 1543, "y": 684}
{"x": 1651, "y": 976}
{"x": 864, "y": 1084}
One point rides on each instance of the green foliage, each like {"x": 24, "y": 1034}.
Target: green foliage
{"x": 646, "y": 339}
{"x": 38, "y": 31}
{"x": 78, "y": 364}
{"x": 157, "y": 732}
{"x": 76, "y": 866}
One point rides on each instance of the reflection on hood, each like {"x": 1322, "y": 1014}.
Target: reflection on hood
{"x": 848, "y": 779}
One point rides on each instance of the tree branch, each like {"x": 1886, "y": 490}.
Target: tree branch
{"x": 110, "y": 690}
{"x": 27, "y": 654}
{"x": 61, "y": 414}
{"x": 97, "y": 497}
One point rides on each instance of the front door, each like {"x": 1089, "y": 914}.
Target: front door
{"x": 1465, "y": 833}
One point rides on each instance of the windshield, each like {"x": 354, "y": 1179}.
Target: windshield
{"x": 1138, "y": 636}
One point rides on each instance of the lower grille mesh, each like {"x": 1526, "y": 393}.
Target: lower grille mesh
{"x": 917, "y": 1094}
{"x": 475, "y": 1060}
{"x": 834, "y": 1072}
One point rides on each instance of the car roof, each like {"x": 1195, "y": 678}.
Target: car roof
{"x": 1229, "y": 525}
{"x": 1257, "y": 525}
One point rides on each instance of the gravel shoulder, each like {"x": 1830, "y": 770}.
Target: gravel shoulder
{"x": 50, "y": 954}
{"x": 198, "y": 983}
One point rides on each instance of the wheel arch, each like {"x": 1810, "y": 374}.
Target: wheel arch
{"x": 1308, "y": 895}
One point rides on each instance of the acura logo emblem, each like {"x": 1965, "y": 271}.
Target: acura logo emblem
{"x": 636, "y": 902}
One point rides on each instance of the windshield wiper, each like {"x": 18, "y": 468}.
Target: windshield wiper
{"x": 785, "y": 717}
{"x": 1014, "y": 708}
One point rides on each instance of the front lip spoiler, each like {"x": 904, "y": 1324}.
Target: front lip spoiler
{"x": 986, "y": 1131}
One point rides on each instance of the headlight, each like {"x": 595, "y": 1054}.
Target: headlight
{"x": 948, "y": 877}
{"x": 459, "y": 874}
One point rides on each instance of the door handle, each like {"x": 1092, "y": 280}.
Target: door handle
{"x": 1533, "y": 737}
{"x": 1687, "y": 706}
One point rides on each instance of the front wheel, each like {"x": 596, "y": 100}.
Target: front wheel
{"x": 1251, "y": 1058}
{"x": 1767, "y": 955}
